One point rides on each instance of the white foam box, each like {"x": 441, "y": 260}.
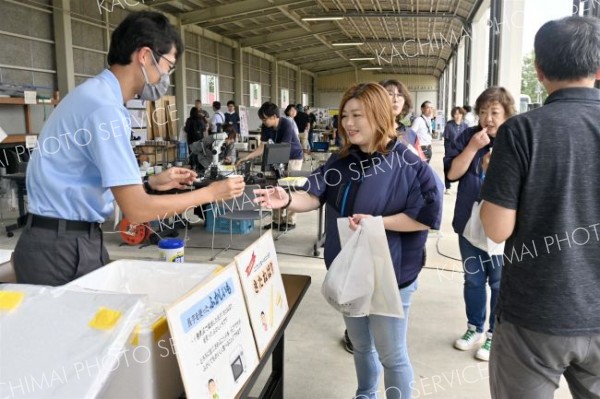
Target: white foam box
{"x": 7, "y": 272}
{"x": 148, "y": 368}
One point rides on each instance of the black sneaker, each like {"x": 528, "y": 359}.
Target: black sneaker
{"x": 273, "y": 225}
{"x": 347, "y": 343}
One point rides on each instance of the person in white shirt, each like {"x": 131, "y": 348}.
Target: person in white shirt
{"x": 422, "y": 126}
{"x": 218, "y": 119}
{"x": 470, "y": 118}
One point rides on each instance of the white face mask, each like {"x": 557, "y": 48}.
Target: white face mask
{"x": 152, "y": 92}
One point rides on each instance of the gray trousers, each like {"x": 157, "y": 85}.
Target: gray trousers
{"x": 527, "y": 364}
{"x": 56, "y": 256}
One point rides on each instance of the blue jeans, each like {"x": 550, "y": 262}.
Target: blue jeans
{"x": 479, "y": 268}
{"x": 381, "y": 341}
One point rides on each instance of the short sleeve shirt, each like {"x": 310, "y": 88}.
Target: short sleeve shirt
{"x": 545, "y": 165}
{"x": 283, "y": 133}
{"x": 83, "y": 150}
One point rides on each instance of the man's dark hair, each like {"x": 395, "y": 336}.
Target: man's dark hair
{"x": 299, "y": 107}
{"x": 268, "y": 109}
{"x": 467, "y": 108}
{"x": 216, "y": 105}
{"x": 198, "y": 101}
{"x": 143, "y": 29}
{"x": 425, "y": 104}
{"x": 568, "y": 48}
{"x": 230, "y": 102}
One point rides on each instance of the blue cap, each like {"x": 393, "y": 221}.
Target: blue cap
{"x": 170, "y": 243}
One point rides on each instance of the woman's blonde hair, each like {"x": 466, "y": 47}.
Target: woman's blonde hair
{"x": 378, "y": 111}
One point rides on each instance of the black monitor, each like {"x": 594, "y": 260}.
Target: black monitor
{"x": 274, "y": 156}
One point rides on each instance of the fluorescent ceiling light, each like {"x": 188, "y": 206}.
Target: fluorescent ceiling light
{"x": 371, "y": 68}
{"x": 363, "y": 59}
{"x": 322, "y": 18}
{"x": 348, "y": 44}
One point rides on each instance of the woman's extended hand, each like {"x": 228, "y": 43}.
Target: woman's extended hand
{"x": 273, "y": 197}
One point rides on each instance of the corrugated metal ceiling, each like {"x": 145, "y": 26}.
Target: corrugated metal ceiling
{"x": 401, "y": 36}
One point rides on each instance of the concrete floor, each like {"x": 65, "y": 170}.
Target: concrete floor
{"x": 317, "y": 366}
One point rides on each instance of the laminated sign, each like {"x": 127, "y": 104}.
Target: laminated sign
{"x": 213, "y": 339}
{"x": 263, "y": 289}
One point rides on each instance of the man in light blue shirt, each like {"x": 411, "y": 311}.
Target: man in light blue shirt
{"x": 84, "y": 160}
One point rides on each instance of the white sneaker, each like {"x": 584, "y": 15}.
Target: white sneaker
{"x": 469, "y": 339}
{"x": 483, "y": 353}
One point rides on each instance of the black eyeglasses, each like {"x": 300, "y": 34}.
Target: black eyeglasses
{"x": 171, "y": 64}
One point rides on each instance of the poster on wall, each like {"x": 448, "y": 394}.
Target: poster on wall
{"x": 263, "y": 289}
{"x": 322, "y": 115}
{"x": 440, "y": 121}
{"x": 213, "y": 338}
{"x": 243, "y": 113}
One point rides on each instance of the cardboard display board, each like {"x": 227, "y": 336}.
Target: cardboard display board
{"x": 213, "y": 338}
{"x": 263, "y": 289}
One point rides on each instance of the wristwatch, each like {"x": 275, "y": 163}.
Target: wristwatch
{"x": 146, "y": 181}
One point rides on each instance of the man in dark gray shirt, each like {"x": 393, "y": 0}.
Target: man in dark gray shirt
{"x": 542, "y": 195}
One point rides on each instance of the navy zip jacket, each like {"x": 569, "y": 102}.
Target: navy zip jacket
{"x": 469, "y": 185}
{"x": 381, "y": 185}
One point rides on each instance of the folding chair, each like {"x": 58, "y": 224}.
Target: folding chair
{"x": 240, "y": 208}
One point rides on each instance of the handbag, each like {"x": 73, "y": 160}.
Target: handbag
{"x": 475, "y": 234}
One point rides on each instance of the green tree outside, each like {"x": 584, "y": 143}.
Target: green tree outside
{"x": 529, "y": 83}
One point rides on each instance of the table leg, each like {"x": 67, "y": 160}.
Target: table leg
{"x": 274, "y": 387}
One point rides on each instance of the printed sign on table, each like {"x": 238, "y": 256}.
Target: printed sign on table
{"x": 263, "y": 288}
{"x": 213, "y": 338}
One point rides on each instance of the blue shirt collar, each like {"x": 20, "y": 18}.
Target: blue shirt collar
{"x": 113, "y": 83}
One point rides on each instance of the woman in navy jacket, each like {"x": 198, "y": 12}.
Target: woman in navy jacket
{"x": 466, "y": 161}
{"x": 374, "y": 175}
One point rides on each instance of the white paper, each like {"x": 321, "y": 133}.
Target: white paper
{"x": 3, "y": 134}
{"x": 31, "y": 141}
{"x": 30, "y": 97}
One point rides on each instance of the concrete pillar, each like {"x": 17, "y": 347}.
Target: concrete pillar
{"x": 511, "y": 45}
{"x": 460, "y": 74}
{"x": 181, "y": 84}
{"x": 298, "y": 87}
{"x": 238, "y": 78}
{"x": 63, "y": 42}
{"x": 479, "y": 55}
{"x": 275, "y": 82}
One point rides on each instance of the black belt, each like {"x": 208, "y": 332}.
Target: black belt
{"x": 425, "y": 147}
{"x": 44, "y": 222}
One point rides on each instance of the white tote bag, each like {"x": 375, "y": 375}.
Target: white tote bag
{"x": 475, "y": 234}
{"x": 361, "y": 279}
{"x": 386, "y": 299}
{"x": 348, "y": 284}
